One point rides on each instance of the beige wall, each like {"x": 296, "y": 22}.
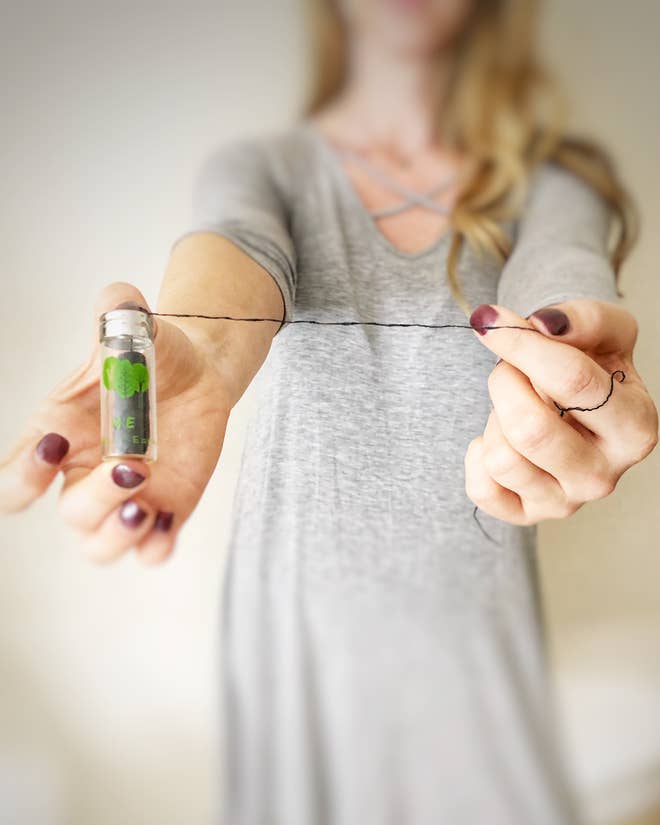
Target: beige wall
{"x": 108, "y": 675}
{"x": 601, "y": 567}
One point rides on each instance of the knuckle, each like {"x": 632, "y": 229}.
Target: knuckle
{"x": 638, "y": 433}
{"x": 632, "y": 323}
{"x": 634, "y": 327}
{"x": 642, "y": 439}
{"x": 539, "y": 509}
{"x": 579, "y": 378}
{"x": 644, "y": 443}
{"x": 529, "y": 433}
{"x": 472, "y": 490}
{"x": 566, "y": 508}
{"x": 471, "y": 446}
{"x": 597, "y": 485}
{"x": 528, "y": 516}
{"x": 500, "y": 460}
{"x": 475, "y": 489}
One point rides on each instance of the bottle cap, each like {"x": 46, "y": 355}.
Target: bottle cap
{"x": 133, "y": 322}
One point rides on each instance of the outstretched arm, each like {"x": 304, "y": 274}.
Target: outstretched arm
{"x": 208, "y": 274}
{"x": 533, "y": 462}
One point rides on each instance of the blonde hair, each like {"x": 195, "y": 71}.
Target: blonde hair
{"x": 504, "y": 112}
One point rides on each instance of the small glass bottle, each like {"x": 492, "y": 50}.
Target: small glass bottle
{"x": 127, "y": 385}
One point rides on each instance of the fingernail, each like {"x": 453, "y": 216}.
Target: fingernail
{"x": 554, "y": 320}
{"x": 131, "y": 305}
{"x": 135, "y": 305}
{"x": 125, "y": 476}
{"x": 52, "y": 448}
{"x": 131, "y": 514}
{"x": 484, "y": 315}
{"x": 163, "y": 520}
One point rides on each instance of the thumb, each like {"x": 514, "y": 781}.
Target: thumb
{"x": 118, "y": 295}
{"x": 588, "y": 324}
{"x": 178, "y": 364}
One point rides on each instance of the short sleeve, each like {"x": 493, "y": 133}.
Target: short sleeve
{"x": 237, "y": 195}
{"x": 560, "y": 245}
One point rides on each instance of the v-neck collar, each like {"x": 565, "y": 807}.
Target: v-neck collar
{"x": 348, "y": 190}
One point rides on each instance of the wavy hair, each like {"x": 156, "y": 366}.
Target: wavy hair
{"x": 504, "y": 111}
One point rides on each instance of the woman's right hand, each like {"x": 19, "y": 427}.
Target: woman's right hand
{"x": 118, "y": 505}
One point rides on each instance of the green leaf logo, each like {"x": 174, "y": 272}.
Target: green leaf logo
{"x": 124, "y": 377}
{"x": 108, "y": 367}
{"x": 141, "y": 374}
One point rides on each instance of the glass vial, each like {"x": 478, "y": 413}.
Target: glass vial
{"x": 127, "y": 385}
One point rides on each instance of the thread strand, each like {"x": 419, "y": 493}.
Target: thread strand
{"x": 350, "y": 323}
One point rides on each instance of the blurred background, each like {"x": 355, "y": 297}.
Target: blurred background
{"x": 108, "y": 675}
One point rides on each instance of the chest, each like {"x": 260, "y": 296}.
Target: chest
{"x": 410, "y": 210}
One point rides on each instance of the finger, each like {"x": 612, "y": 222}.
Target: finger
{"x": 540, "y": 493}
{"x": 113, "y": 296}
{"x": 485, "y": 492}
{"x": 120, "y": 531}
{"x": 608, "y": 332}
{"x": 157, "y": 545}
{"x": 547, "y": 440}
{"x": 179, "y": 364}
{"x": 36, "y": 457}
{"x": 601, "y": 327}
{"x": 176, "y": 498}
{"x": 29, "y": 469}
{"x": 88, "y": 496}
{"x": 569, "y": 376}
{"x": 118, "y": 295}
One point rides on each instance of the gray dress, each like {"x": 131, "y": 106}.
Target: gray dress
{"x": 383, "y": 661}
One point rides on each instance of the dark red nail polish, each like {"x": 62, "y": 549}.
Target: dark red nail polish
{"x": 52, "y": 448}
{"x": 125, "y": 476}
{"x": 163, "y": 520}
{"x": 131, "y": 514}
{"x": 131, "y": 305}
{"x": 484, "y": 315}
{"x": 554, "y": 320}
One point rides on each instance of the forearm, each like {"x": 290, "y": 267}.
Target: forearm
{"x": 208, "y": 274}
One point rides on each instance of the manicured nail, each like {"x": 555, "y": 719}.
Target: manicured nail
{"x": 52, "y": 448}
{"x": 131, "y": 305}
{"x": 554, "y": 320}
{"x": 135, "y": 305}
{"x": 484, "y": 315}
{"x": 131, "y": 514}
{"x": 163, "y": 520}
{"x": 125, "y": 476}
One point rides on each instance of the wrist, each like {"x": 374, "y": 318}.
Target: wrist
{"x": 233, "y": 351}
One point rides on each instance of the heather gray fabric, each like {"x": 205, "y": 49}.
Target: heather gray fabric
{"x": 383, "y": 662}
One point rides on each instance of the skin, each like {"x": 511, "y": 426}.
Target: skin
{"x": 529, "y": 464}
{"x": 203, "y": 369}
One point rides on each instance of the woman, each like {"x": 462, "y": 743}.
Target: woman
{"x": 383, "y": 659}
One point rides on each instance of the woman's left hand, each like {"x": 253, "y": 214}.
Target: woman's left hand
{"x": 531, "y": 463}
